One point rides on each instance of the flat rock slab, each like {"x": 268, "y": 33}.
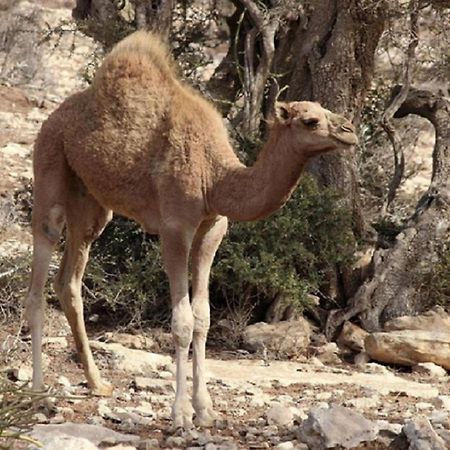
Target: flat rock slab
{"x": 96, "y": 434}
{"x": 288, "y": 373}
{"x": 130, "y": 360}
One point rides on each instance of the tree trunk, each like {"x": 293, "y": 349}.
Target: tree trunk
{"x": 328, "y": 56}
{"x": 393, "y": 289}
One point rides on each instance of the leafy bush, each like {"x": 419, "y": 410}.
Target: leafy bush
{"x": 287, "y": 254}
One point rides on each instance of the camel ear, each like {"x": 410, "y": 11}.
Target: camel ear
{"x": 282, "y": 112}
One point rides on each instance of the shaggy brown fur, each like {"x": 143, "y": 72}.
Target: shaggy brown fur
{"x": 143, "y": 144}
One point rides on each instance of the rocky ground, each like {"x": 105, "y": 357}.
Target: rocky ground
{"x": 314, "y": 402}
{"x": 269, "y": 395}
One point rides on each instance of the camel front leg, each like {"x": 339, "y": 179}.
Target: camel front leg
{"x": 207, "y": 240}
{"x": 176, "y": 243}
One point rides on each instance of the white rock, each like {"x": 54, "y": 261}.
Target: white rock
{"x": 443, "y": 401}
{"x": 22, "y": 373}
{"x": 279, "y": 414}
{"x": 336, "y": 426}
{"x": 68, "y": 443}
{"x": 430, "y": 369}
{"x": 129, "y": 360}
{"x": 154, "y": 385}
{"x": 421, "y": 406}
{"x": 324, "y": 395}
{"x": 288, "y": 445}
{"x": 421, "y": 435}
{"x": 64, "y": 381}
{"x": 364, "y": 402}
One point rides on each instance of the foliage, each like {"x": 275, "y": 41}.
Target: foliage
{"x": 125, "y": 277}
{"x": 287, "y": 254}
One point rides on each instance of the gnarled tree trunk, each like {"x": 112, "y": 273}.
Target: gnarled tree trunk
{"x": 393, "y": 289}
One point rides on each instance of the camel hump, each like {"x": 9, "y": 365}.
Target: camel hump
{"x": 140, "y": 54}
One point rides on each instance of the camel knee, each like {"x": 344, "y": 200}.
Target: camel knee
{"x": 201, "y": 314}
{"x": 182, "y": 325}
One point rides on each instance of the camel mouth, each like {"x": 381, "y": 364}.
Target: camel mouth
{"x": 348, "y": 139}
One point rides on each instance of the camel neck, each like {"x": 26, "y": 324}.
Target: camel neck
{"x": 251, "y": 193}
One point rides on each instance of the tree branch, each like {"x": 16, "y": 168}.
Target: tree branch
{"x": 397, "y": 101}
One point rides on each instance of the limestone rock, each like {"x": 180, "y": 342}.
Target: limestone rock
{"x": 409, "y": 347}
{"x": 155, "y": 385}
{"x": 434, "y": 320}
{"x": 430, "y": 369}
{"x": 280, "y": 415}
{"x": 336, "y": 426}
{"x": 352, "y": 336}
{"x": 129, "y": 360}
{"x": 137, "y": 342}
{"x": 96, "y": 434}
{"x": 67, "y": 443}
{"x": 421, "y": 435}
{"x": 282, "y": 338}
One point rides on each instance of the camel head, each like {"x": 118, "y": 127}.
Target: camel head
{"x": 314, "y": 129}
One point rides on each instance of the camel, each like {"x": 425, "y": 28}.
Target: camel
{"x": 142, "y": 143}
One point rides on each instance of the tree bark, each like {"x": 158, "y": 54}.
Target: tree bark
{"x": 393, "y": 289}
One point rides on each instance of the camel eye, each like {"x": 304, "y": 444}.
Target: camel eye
{"x": 311, "y": 123}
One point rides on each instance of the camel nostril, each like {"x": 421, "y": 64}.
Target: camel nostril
{"x": 348, "y": 128}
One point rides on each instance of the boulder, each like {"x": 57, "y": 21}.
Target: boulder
{"x": 409, "y": 347}
{"x": 282, "y": 338}
{"x": 436, "y": 319}
{"x": 421, "y": 435}
{"x": 352, "y": 336}
{"x": 336, "y": 427}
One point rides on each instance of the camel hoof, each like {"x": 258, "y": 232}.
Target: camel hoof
{"x": 205, "y": 418}
{"x": 103, "y": 389}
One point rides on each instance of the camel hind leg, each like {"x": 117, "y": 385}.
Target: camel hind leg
{"x": 85, "y": 221}
{"x": 50, "y": 184}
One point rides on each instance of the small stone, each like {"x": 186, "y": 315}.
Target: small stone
{"x": 57, "y": 418}
{"x": 430, "y": 369}
{"x": 156, "y": 385}
{"x": 64, "y": 381}
{"x": 443, "y": 401}
{"x": 420, "y": 406}
{"x": 148, "y": 444}
{"x": 288, "y": 445}
{"x": 95, "y": 420}
{"x": 40, "y": 418}
{"x": 175, "y": 441}
{"x": 280, "y": 415}
{"x": 376, "y": 368}
{"x": 22, "y": 373}
{"x": 364, "y": 402}
{"x": 324, "y": 395}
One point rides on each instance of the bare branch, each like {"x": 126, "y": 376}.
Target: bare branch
{"x": 397, "y": 101}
